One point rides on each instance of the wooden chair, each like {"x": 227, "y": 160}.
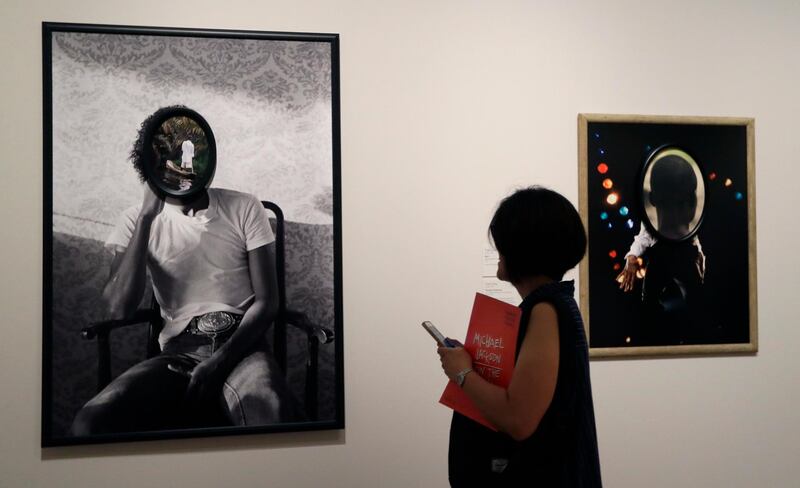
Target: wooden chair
{"x": 315, "y": 334}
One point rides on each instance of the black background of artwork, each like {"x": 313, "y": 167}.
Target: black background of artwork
{"x": 721, "y": 149}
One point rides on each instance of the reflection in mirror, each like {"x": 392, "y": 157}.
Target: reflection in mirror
{"x": 673, "y": 194}
{"x": 181, "y": 155}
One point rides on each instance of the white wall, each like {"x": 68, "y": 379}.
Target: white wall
{"x": 446, "y": 106}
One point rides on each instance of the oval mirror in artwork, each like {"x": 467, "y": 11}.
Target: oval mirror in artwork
{"x": 182, "y": 153}
{"x": 673, "y": 194}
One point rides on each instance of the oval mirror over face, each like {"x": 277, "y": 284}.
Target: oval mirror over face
{"x": 182, "y": 153}
{"x": 673, "y": 194}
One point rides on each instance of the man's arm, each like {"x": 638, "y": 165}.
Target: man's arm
{"x": 254, "y": 324}
{"x": 641, "y": 243}
{"x": 126, "y": 282}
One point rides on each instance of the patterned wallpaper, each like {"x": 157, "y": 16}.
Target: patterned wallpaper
{"x": 268, "y": 103}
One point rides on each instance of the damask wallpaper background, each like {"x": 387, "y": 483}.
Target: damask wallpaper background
{"x": 269, "y": 106}
{"x": 268, "y": 103}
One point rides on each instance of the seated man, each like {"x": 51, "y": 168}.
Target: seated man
{"x": 211, "y": 259}
{"x": 672, "y": 288}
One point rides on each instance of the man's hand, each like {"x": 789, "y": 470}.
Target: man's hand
{"x": 700, "y": 264}
{"x": 454, "y": 360}
{"x": 628, "y": 275}
{"x": 152, "y": 204}
{"x": 206, "y": 379}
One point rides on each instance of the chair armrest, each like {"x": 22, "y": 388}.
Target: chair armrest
{"x": 316, "y": 335}
{"x": 104, "y": 327}
{"x": 300, "y": 320}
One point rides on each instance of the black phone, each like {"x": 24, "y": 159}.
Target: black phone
{"x": 437, "y": 336}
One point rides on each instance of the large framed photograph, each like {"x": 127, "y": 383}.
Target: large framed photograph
{"x": 669, "y": 205}
{"x": 192, "y": 233}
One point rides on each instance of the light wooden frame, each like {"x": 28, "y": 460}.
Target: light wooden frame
{"x": 583, "y": 174}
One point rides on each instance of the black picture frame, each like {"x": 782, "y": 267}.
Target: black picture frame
{"x": 322, "y": 68}
{"x": 701, "y": 298}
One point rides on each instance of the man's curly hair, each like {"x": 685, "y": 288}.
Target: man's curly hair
{"x": 137, "y": 155}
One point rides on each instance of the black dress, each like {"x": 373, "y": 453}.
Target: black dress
{"x": 562, "y": 452}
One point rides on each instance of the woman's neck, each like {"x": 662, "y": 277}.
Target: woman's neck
{"x": 526, "y": 286}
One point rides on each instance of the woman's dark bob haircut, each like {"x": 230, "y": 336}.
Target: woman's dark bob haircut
{"x": 538, "y": 232}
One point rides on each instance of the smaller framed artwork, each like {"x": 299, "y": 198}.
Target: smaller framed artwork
{"x": 669, "y": 206}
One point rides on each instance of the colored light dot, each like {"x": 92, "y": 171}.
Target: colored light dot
{"x": 629, "y": 223}
{"x": 647, "y": 148}
{"x": 612, "y": 198}
{"x": 623, "y": 211}
{"x": 728, "y": 182}
{"x": 617, "y": 267}
{"x": 627, "y": 340}
{"x": 607, "y": 183}
{"x": 602, "y": 151}
{"x": 739, "y": 195}
{"x": 597, "y": 135}
{"x": 603, "y": 215}
{"x": 612, "y": 253}
{"x": 602, "y": 168}
{"x": 712, "y": 176}
{"x": 609, "y": 225}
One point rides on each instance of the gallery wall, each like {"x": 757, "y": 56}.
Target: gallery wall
{"x": 446, "y": 107}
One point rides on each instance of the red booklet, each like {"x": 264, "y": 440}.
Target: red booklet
{"x": 492, "y": 342}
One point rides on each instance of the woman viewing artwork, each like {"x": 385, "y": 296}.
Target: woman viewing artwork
{"x": 545, "y": 419}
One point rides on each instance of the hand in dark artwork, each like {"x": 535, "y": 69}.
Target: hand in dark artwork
{"x": 627, "y": 277}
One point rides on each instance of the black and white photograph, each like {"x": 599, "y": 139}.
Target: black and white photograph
{"x": 192, "y": 233}
{"x": 669, "y": 206}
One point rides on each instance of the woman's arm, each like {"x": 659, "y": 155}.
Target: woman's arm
{"x": 519, "y": 409}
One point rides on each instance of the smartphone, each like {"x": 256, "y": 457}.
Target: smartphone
{"x": 434, "y": 332}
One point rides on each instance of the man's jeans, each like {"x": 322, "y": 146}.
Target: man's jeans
{"x": 151, "y": 396}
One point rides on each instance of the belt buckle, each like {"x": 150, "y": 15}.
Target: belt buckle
{"x": 214, "y": 323}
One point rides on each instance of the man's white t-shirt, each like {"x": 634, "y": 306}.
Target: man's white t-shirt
{"x": 198, "y": 264}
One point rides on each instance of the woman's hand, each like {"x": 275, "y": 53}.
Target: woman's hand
{"x": 454, "y": 360}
